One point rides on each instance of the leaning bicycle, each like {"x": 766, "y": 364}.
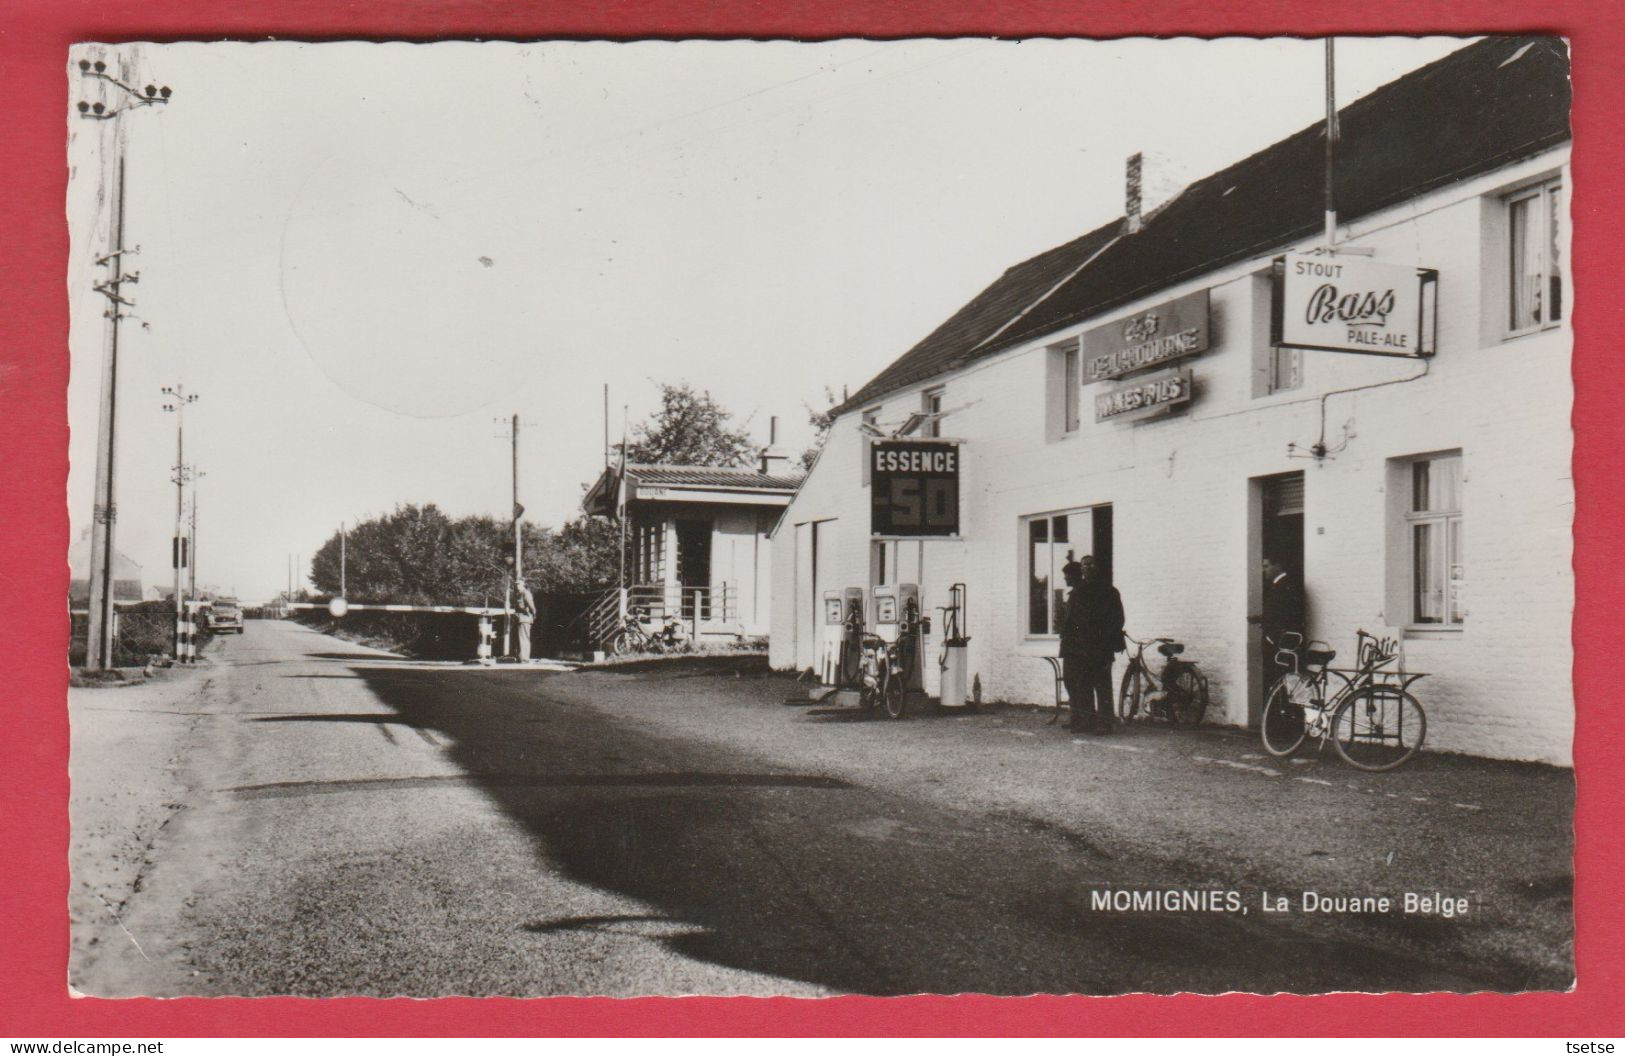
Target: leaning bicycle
{"x": 634, "y": 635}
{"x": 1179, "y": 697}
{"x": 1368, "y": 714}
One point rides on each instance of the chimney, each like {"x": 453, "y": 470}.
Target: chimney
{"x": 774, "y": 459}
{"x": 1132, "y": 195}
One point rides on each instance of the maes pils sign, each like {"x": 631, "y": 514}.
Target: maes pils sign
{"x": 1350, "y": 304}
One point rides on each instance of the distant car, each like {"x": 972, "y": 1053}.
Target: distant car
{"x": 223, "y": 615}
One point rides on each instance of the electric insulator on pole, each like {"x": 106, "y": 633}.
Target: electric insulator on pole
{"x": 119, "y": 88}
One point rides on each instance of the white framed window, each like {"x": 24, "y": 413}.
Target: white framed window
{"x": 1049, "y": 541}
{"x": 1286, "y": 368}
{"x": 871, "y": 418}
{"x": 882, "y": 562}
{"x": 931, "y": 404}
{"x": 1274, "y": 369}
{"x": 1063, "y": 396}
{"x": 1433, "y": 529}
{"x": 1535, "y": 261}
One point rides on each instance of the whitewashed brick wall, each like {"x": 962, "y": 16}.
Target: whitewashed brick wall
{"x": 1179, "y": 488}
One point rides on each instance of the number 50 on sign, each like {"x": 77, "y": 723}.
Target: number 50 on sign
{"x": 915, "y": 488}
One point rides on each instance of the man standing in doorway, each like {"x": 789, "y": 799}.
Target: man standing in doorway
{"x": 1283, "y": 614}
{"x": 1091, "y": 634}
{"x": 525, "y": 610}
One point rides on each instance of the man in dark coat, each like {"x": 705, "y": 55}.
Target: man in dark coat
{"x": 1283, "y": 614}
{"x": 1091, "y": 634}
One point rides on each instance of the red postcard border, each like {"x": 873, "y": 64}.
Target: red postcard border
{"x": 34, "y": 1000}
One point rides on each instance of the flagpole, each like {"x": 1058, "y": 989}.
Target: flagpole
{"x": 1331, "y": 148}
{"x": 620, "y": 510}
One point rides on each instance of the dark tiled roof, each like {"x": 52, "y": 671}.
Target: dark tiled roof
{"x": 713, "y": 477}
{"x": 1479, "y": 108}
{"x": 953, "y": 342}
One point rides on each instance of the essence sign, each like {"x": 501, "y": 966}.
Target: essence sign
{"x": 1350, "y": 304}
{"x": 914, "y": 487}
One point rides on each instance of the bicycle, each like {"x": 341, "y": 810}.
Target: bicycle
{"x": 1179, "y": 697}
{"x": 1371, "y": 718}
{"x": 634, "y": 637}
{"x": 883, "y": 670}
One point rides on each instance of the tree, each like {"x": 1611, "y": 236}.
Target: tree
{"x": 416, "y": 555}
{"x": 579, "y": 558}
{"x": 690, "y": 429}
{"x": 821, "y": 422}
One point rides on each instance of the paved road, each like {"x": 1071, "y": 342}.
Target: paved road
{"x": 305, "y": 815}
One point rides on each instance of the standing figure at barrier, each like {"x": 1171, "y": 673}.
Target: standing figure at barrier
{"x": 525, "y": 609}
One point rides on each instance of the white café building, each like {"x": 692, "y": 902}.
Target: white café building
{"x": 1131, "y": 394}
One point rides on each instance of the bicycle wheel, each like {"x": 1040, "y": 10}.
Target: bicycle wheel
{"x": 1379, "y": 728}
{"x": 1282, "y": 727}
{"x": 869, "y": 686}
{"x": 1188, "y": 699}
{"x": 1130, "y": 693}
{"x": 892, "y": 695}
{"x": 621, "y": 644}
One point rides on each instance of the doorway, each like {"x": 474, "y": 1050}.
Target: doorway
{"x": 1275, "y": 533}
{"x": 694, "y": 568}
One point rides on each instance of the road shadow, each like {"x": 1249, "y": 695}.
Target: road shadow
{"x": 735, "y": 861}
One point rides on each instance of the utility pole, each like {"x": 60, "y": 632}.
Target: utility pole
{"x": 342, "y": 547}
{"x": 191, "y": 584}
{"x": 511, "y": 590}
{"x": 178, "y": 400}
{"x": 99, "y": 644}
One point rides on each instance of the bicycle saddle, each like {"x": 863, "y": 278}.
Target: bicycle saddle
{"x": 1171, "y": 648}
{"x": 1319, "y": 657}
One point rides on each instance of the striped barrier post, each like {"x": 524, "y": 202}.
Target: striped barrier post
{"x": 484, "y": 653}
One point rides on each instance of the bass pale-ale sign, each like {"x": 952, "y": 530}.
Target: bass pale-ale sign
{"x": 1350, "y": 304}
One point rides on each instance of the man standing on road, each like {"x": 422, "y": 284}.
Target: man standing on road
{"x": 1283, "y": 614}
{"x": 525, "y": 609}
{"x": 1091, "y": 634}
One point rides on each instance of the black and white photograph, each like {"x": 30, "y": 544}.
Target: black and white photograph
{"x": 773, "y": 518}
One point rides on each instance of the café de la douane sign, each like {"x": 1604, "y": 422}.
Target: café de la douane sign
{"x": 1349, "y": 304}
{"x": 914, "y": 487}
{"x": 1169, "y": 331}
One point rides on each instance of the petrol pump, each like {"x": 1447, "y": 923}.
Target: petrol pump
{"x": 832, "y": 635}
{"x": 842, "y": 637}
{"x": 955, "y": 649}
{"x": 897, "y": 621}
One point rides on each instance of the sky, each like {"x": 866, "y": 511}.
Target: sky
{"x": 361, "y": 257}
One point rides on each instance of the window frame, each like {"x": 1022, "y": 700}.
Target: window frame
{"x": 1071, "y": 388}
{"x": 931, "y": 401}
{"x": 1449, "y": 527}
{"x": 868, "y": 416}
{"x": 1284, "y": 360}
{"x": 1024, "y": 562}
{"x": 1548, "y": 193}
